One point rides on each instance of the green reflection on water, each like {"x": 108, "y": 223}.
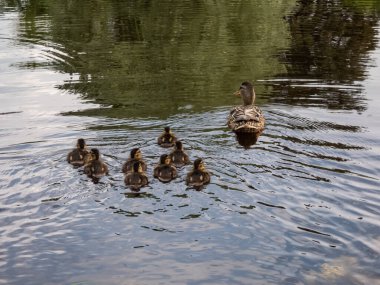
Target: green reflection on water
{"x": 158, "y": 58}
{"x": 368, "y": 5}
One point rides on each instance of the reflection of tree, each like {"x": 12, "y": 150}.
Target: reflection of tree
{"x": 331, "y": 42}
{"x": 177, "y": 53}
{"x": 317, "y": 95}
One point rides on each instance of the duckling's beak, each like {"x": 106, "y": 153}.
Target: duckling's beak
{"x": 237, "y": 93}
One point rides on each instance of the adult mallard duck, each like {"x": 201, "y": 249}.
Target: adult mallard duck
{"x": 165, "y": 171}
{"x": 137, "y": 178}
{"x": 96, "y": 168}
{"x": 178, "y": 156}
{"x": 199, "y": 175}
{"x": 135, "y": 156}
{"x": 167, "y": 138}
{"x": 247, "y": 117}
{"x": 77, "y": 156}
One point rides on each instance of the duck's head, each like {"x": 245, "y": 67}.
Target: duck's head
{"x": 247, "y": 92}
{"x": 136, "y": 153}
{"x": 137, "y": 167}
{"x": 81, "y": 144}
{"x": 165, "y": 159}
{"x": 178, "y": 145}
{"x": 95, "y": 153}
{"x": 167, "y": 130}
{"x": 199, "y": 164}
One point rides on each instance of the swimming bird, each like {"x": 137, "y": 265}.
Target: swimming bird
{"x": 199, "y": 175}
{"x": 178, "y": 156}
{"x": 96, "y": 168}
{"x": 137, "y": 178}
{"x": 77, "y": 156}
{"x": 165, "y": 171}
{"x": 135, "y": 156}
{"x": 167, "y": 138}
{"x": 247, "y": 117}
{"x": 88, "y": 158}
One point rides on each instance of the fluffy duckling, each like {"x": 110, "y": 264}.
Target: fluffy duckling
{"x": 165, "y": 171}
{"x": 135, "y": 156}
{"x": 178, "y": 156}
{"x": 199, "y": 175}
{"x": 77, "y": 156}
{"x": 137, "y": 178}
{"x": 88, "y": 158}
{"x": 247, "y": 117}
{"x": 167, "y": 138}
{"x": 96, "y": 168}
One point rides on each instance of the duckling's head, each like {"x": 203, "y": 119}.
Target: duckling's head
{"x": 167, "y": 130}
{"x": 247, "y": 92}
{"x": 95, "y": 153}
{"x": 165, "y": 159}
{"x": 136, "y": 153}
{"x": 199, "y": 164}
{"x": 137, "y": 167}
{"x": 178, "y": 145}
{"x": 81, "y": 144}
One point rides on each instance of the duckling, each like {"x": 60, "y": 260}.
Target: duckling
{"x": 167, "y": 138}
{"x": 88, "y": 158}
{"x": 135, "y": 156}
{"x": 178, "y": 157}
{"x": 165, "y": 171}
{"x": 76, "y": 156}
{"x": 137, "y": 178}
{"x": 199, "y": 175}
{"x": 247, "y": 117}
{"x": 96, "y": 168}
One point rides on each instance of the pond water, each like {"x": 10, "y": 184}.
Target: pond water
{"x": 301, "y": 206}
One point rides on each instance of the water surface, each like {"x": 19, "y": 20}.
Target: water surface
{"x": 300, "y": 206}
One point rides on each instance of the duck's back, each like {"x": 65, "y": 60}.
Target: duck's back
{"x": 179, "y": 158}
{"x": 96, "y": 168}
{"x": 246, "y": 119}
{"x": 136, "y": 180}
{"x": 165, "y": 173}
{"x": 128, "y": 165}
{"x": 167, "y": 140}
{"x": 197, "y": 178}
{"x": 76, "y": 157}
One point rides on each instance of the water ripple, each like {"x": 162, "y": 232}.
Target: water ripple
{"x": 295, "y": 190}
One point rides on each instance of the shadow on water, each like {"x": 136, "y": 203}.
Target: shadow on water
{"x": 247, "y": 140}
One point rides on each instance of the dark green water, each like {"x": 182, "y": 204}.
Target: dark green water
{"x": 301, "y": 206}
